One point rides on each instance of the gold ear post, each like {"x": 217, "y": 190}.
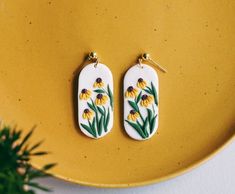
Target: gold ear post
{"x": 93, "y": 57}
{"x": 146, "y": 57}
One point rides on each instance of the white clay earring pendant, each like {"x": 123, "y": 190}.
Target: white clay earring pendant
{"x": 95, "y": 98}
{"x": 141, "y": 99}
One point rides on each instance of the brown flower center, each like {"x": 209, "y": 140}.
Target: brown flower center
{"x": 98, "y": 80}
{"x": 140, "y": 80}
{"x": 84, "y": 91}
{"x": 99, "y": 96}
{"x": 130, "y": 89}
{"x": 132, "y": 112}
{"x": 144, "y": 97}
{"x": 86, "y": 110}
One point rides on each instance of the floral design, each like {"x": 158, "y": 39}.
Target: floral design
{"x": 146, "y": 96}
{"x": 131, "y": 92}
{"x": 101, "y": 99}
{"x": 98, "y": 83}
{"x": 133, "y": 115}
{"x": 146, "y": 100}
{"x": 98, "y": 110}
{"x": 141, "y": 83}
{"x": 85, "y": 94}
{"x": 87, "y": 114}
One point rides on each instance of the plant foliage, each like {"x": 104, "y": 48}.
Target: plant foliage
{"x": 17, "y": 176}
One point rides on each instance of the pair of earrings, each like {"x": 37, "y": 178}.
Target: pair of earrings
{"x": 95, "y": 99}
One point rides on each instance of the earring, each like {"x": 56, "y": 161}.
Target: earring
{"x": 141, "y": 99}
{"x": 95, "y": 98}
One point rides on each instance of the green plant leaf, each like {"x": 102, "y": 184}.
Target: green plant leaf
{"x": 104, "y": 120}
{"x": 92, "y": 126}
{"x": 26, "y": 137}
{"x": 150, "y": 115}
{"x": 91, "y": 106}
{"x": 88, "y": 129}
{"x": 100, "y": 91}
{"x": 107, "y": 121}
{"x": 137, "y": 128}
{"x": 153, "y": 123}
{"x": 100, "y": 129}
{"x": 100, "y": 110}
{"x": 35, "y": 146}
{"x": 110, "y": 94}
{"x": 148, "y": 91}
{"x": 36, "y": 185}
{"x": 139, "y": 124}
{"x": 154, "y": 93}
{"x": 138, "y": 97}
{"x": 145, "y": 126}
{"x": 48, "y": 166}
{"x": 133, "y": 105}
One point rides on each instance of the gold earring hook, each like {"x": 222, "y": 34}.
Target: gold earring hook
{"x": 146, "y": 57}
{"x": 93, "y": 57}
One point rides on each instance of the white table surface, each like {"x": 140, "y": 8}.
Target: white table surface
{"x": 216, "y": 176}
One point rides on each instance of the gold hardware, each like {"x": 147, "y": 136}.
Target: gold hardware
{"x": 146, "y": 57}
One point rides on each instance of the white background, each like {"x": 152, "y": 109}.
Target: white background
{"x": 216, "y": 176}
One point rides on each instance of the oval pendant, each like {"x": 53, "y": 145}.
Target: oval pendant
{"x": 141, "y": 102}
{"x": 95, "y": 100}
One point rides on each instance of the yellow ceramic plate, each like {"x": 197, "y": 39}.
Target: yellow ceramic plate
{"x": 42, "y": 46}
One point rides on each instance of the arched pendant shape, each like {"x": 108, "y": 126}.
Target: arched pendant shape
{"x": 141, "y": 102}
{"x": 95, "y": 100}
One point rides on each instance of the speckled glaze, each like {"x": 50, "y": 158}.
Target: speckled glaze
{"x": 42, "y": 45}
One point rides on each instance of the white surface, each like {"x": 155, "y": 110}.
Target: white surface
{"x": 87, "y": 78}
{"x": 148, "y": 74}
{"x": 216, "y": 176}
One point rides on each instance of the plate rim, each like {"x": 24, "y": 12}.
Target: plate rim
{"x": 176, "y": 173}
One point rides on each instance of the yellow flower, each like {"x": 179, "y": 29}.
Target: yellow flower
{"x": 146, "y": 100}
{"x": 141, "y": 83}
{"x": 98, "y": 83}
{"x": 85, "y": 94}
{"x": 101, "y": 99}
{"x": 87, "y": 114}
{"x": 133, "y": 115}
{"x": 131, "y": 92}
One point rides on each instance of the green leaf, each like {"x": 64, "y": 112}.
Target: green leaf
{"x": 35, "y": 146}
{"x": 39, "y": 153}
{"x": 137, "y": 128}
{"x": 26, "y": 137}
{"x": 153, "y": 123}
{"x": 107, "y": 121}
{"x": 148, "y": 91}
{"x": 100, "y": 110}
{"x": 110, "y": 94}
{"x": 48, "y": 166}
{"x": 145, "y": 126}
{"x": 36, "y": 185}
{"x": 88, "y": 129}
{"x": 100, "y": 129}
{"x": 104, "y": 120}
{"x": 138, "y": 97}
{"x": 133, "y": 105}
{"x": 139, "y": 123}
{"x": 92, "y": 126}
{"x": 100, "y": 91}
{"x": 150, "y": 115}
{"x": 91, "y": 106}
{"x": 154, "y": 93}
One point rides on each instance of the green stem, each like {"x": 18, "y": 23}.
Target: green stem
{"x": 110, "y": 100}
{"x": 96, "y": 116}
